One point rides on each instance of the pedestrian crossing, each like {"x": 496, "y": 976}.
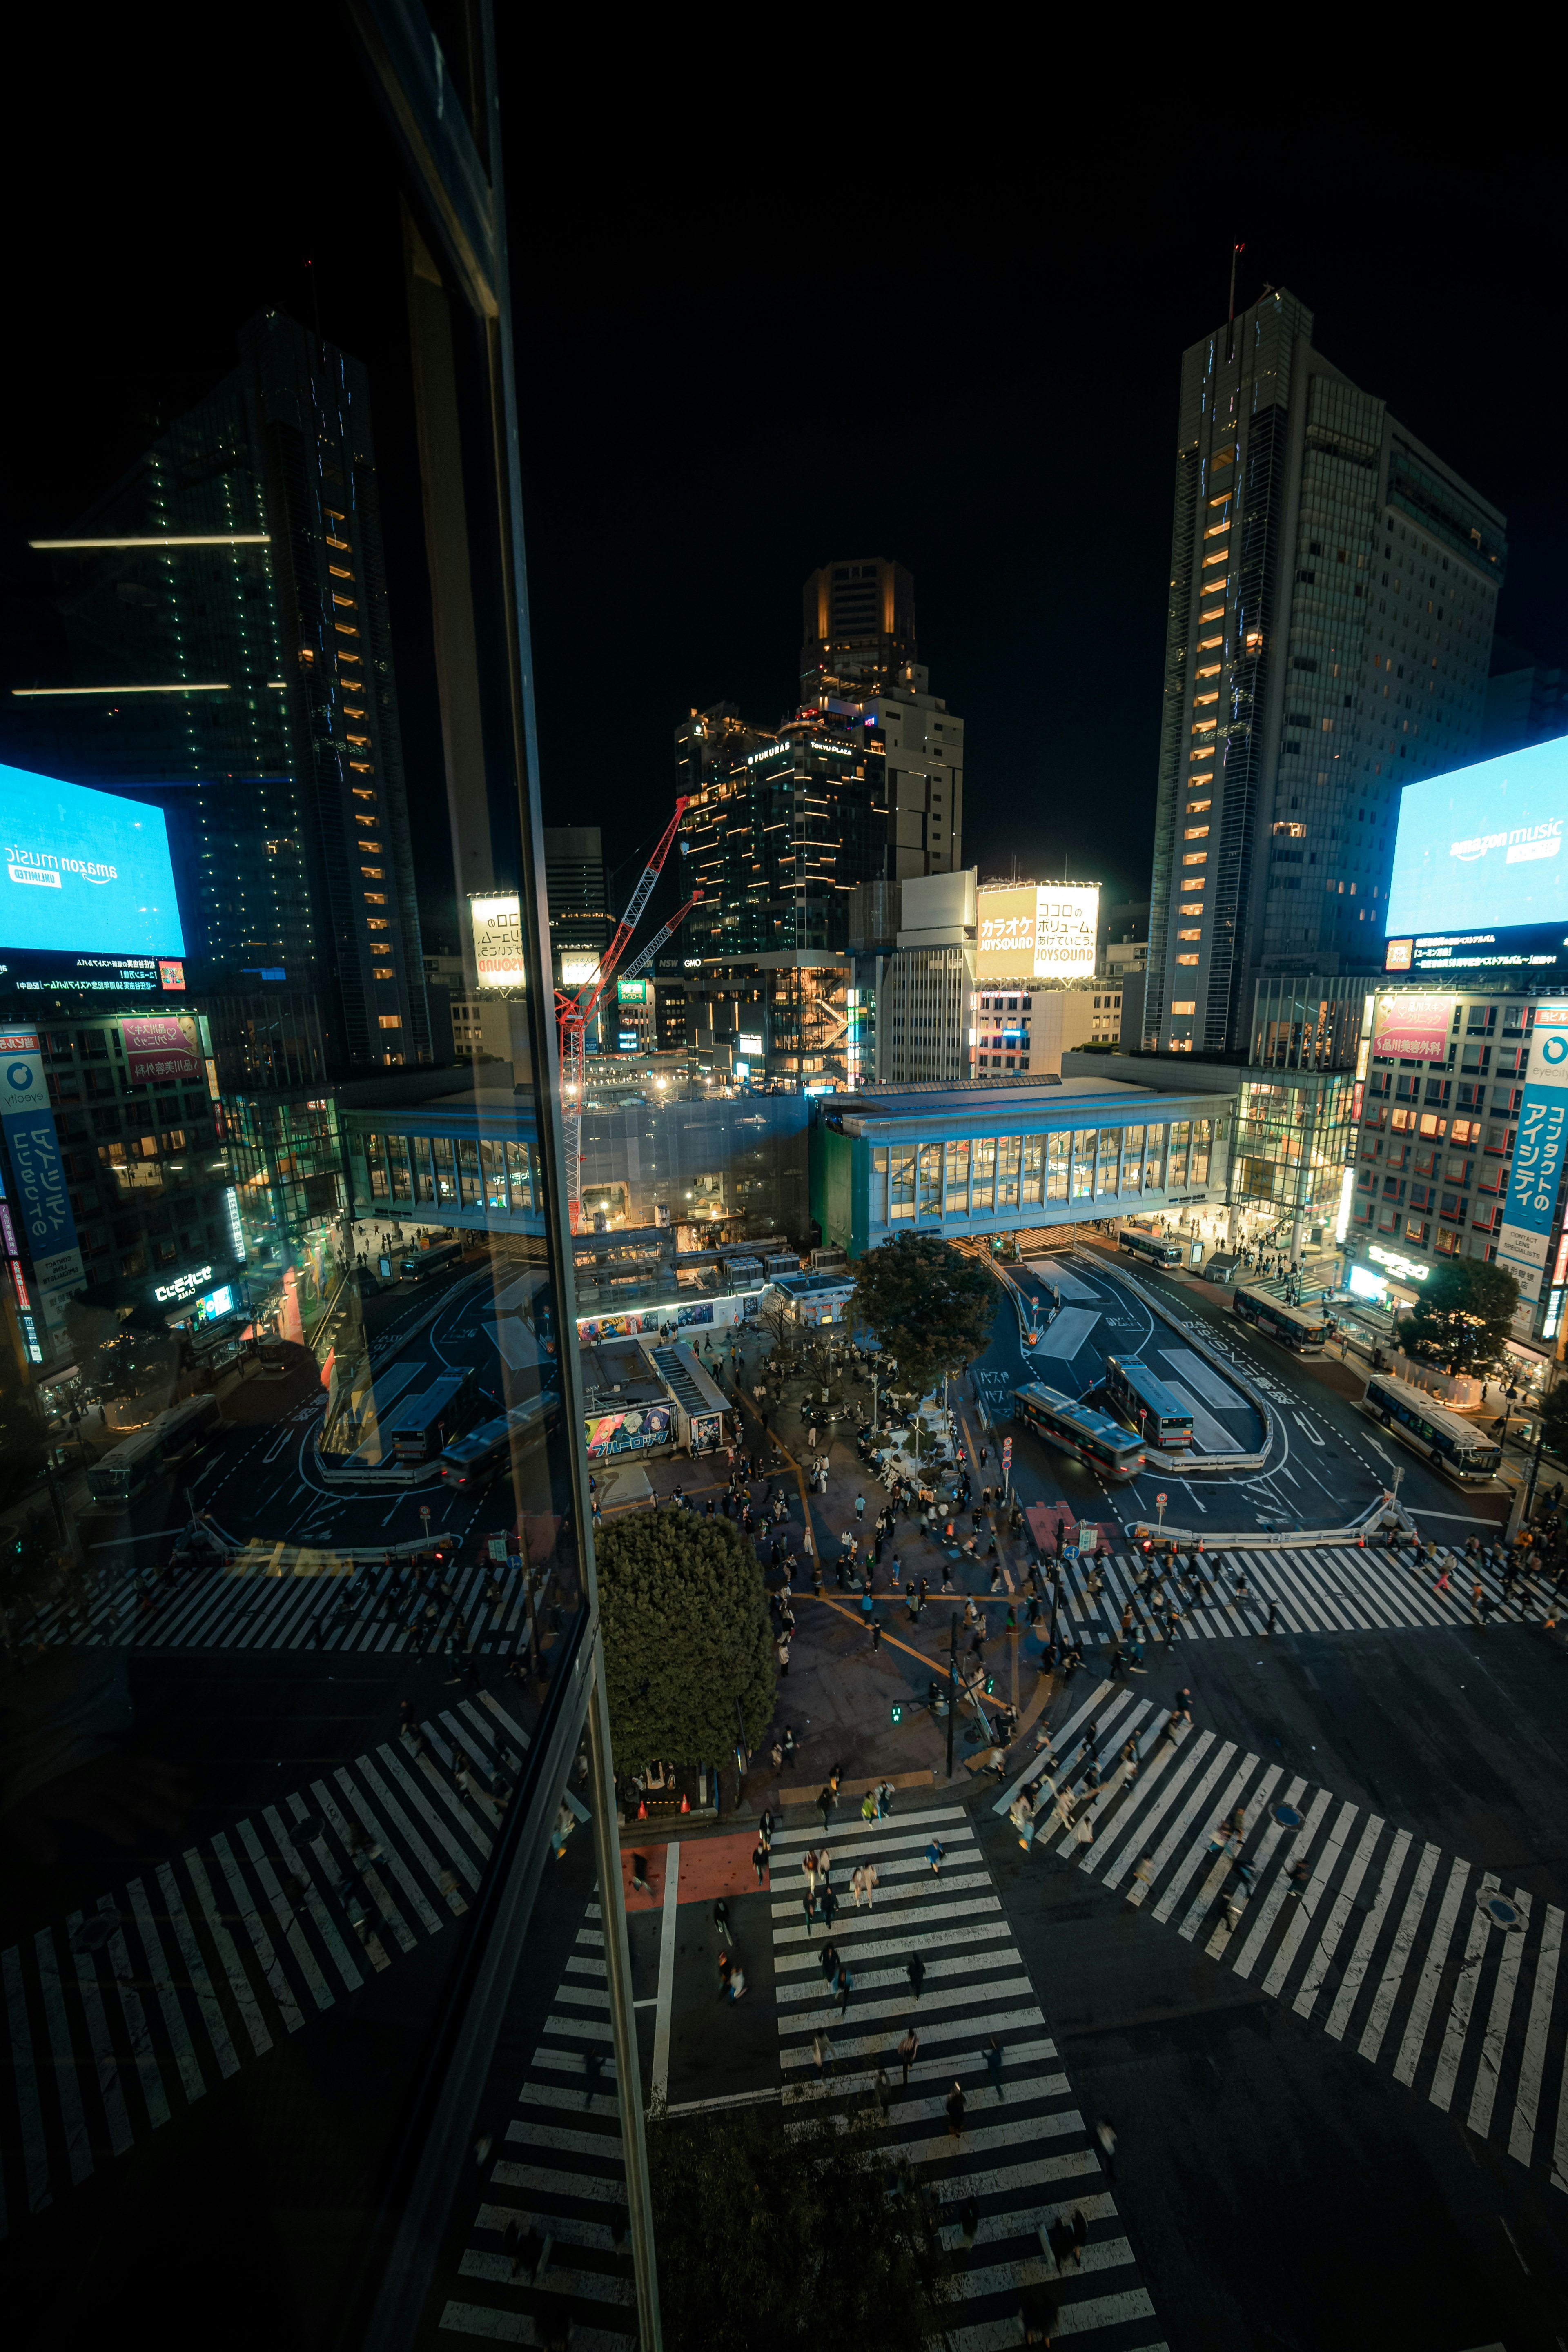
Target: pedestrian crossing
{"x": 1433, "y": 1969}
{"x": 379, "y": 1610}
{"x": 1023, "y": 2160}
{"x": 135, "y": 2007}
{"x": 1313, "y": 1589}
{"x": 551, "y": 2229}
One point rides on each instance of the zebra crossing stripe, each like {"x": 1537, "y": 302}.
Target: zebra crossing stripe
{"x": 1483, "y": 2058}
{"x": 1018, "y": 2148}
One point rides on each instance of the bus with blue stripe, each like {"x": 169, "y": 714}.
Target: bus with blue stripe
{"x": 1079, "y": 1429}
{"x": 485, "y": 1454}
{"x": 1155, "y": 1411}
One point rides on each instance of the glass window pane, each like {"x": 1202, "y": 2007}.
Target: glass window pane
{"x": 1083, "y": 1140}
{"x": 957, "y": 1192}
{"x": 1153, "y": 1158}
{"x": 281, "y": 614}
{"x": 468, "y": 1172}
{"x": 1034, "y": 1171}
{"x": 1008, "y": 1151}
{"x": 879, "y": 1211}
{"x": 1132, "y": 1159}
{"x": 1109, "y": 1159}
{"x": 901, "y": 1180}
{"x": 982, "y": 1183}
{"x": 931, "y": 1180}
{"x": 1058, "y": 1155}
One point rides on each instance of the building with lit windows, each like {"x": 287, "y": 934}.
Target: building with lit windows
{"x": 1434, "y": 1143}
{"x": 1333, "y": 592}
{"x": 232, "y": 587}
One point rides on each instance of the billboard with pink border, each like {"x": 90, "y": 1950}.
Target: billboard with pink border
{"x": 1412, "y": 1028}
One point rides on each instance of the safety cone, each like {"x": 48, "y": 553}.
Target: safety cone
{"x": 685, "y": 1803}
{"x": 642, "y": 1809}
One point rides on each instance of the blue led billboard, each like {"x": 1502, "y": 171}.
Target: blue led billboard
{"x": 86, "y": 880}
{"x": 1480, "y": 874}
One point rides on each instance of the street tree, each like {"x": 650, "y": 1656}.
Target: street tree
{"x": 929, "y": 1304}
{"x": 1462, "y": 1318}
{"x": 1553, "y": 1414}
{"x": 686, "y": 1634}
{"x": 775, "y": 2239}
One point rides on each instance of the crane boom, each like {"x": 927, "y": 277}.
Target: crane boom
{"x": 573, "y": 1013}
{"x": 659, "y": 938}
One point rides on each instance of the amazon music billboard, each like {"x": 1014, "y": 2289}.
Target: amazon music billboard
{"x": 1480, "y": 869}
{"x": 86, "y": 886}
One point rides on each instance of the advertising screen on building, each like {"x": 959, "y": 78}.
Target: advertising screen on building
{"x": 497, "y": 918}
{"x": 163, "y": 1047}
{"x": 1480, "y": 874}
{"x": 86, "y": 883}
{"x": 1037, "y": 931}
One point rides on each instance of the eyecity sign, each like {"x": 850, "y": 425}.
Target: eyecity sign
{"x": 183, "y": 1285}
{"x": 1408, "y": 1269}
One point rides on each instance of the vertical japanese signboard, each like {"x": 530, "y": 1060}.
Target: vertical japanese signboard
{"x": 1538, "y": 1155}
{"x": 39, "y": 1199}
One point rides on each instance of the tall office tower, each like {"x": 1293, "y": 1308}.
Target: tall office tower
{"x": 224, "y": 609}
{"x": 577, "y": 886}
{"x": 858, "y": 625}
{"x": 1333, "y": 590}
{"x": 712, "y": 743}
{"x": 859, "y": 661}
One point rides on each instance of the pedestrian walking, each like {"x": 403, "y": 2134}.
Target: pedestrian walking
{"x": 908, "y": 2047}
{"x": 954, "y": 2104}
{"x": 759, "y": 1862}
{"x": 593, "y": 2067}
{"x": 993, "y": 2064}
{"x": 822, "y": 2051}
{"x": 845, "y": 1984}
{"x": 1062, "y": 2242}
{"x": 936, "y": 1855}
{"x": 828, "y": 1903}
{"x": 1079, "y": 2236}
{"x": 860, "y": 1506}
{"x": 1037, "y": 2312}
{"x": 737, "y": 1981}
{"x": 1144, "y": 1869}
{"x": 824, "y": 1805}
{"x": 829, "y": 1963}
{"x": 916, "y": 1971}
{"x": 639, "y": 1874}
{"x": 1105, "y": 2133}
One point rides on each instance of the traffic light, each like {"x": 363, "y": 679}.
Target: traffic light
{"x": 989, "y": 1684}
{"x": 898, "y": 1713}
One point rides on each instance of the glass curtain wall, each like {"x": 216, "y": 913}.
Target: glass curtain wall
{"x": 294, "y": 1720}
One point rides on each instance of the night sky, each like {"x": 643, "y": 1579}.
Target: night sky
{"x": 740, "y": 360}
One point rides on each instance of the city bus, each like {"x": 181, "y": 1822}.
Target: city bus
{"x": 1451, "y": 1444}
{"x": 420, "y": 1262}
{"x": 1077, "y": 1429}
{"x": 472, "y": 1462}
{"x": 420, "y": 1422}
{"x": 169, "y": 1441}
{"x": 1154, "y": 1249}
{"x": 1154, "y": 1411}
{"x": 1305, "y": 1331}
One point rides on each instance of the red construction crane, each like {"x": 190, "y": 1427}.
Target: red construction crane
{"x": 573, "y": 1014}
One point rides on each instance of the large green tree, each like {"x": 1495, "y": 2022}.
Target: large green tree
{"x": 1463, "y": 1316}
{"x": 788, "y": 2241}
{"x": 686, "y": 1631}
{"x": 929, "y": 1304}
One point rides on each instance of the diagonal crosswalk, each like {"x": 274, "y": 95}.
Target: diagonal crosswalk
{"x": 552, "y": 2226}
{"x": 138, "y": 2005}
{"x": 1314, "y": 1589}
{"x": 1024, "y": 2161}
{"x": 378, "y": 1609}
{"x": 1432, "y": 1969}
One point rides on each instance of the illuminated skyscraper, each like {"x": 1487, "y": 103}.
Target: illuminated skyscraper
{"x": 232, "y": 587}
{"x": 1333, "y": 592}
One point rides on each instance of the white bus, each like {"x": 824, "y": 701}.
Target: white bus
{"x": 1305, "y": 1331}
{"x": 169, "y": 1441}
{"x": 1451, "y": 1444}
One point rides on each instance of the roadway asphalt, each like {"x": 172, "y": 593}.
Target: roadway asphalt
{"x": 1326, "y": 1463}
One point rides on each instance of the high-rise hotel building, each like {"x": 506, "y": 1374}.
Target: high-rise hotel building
{"x": 1332, "y": 597}
{"x": 228, "y": 650}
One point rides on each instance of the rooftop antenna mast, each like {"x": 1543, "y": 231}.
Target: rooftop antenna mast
{"x": 1230, "y": 323}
